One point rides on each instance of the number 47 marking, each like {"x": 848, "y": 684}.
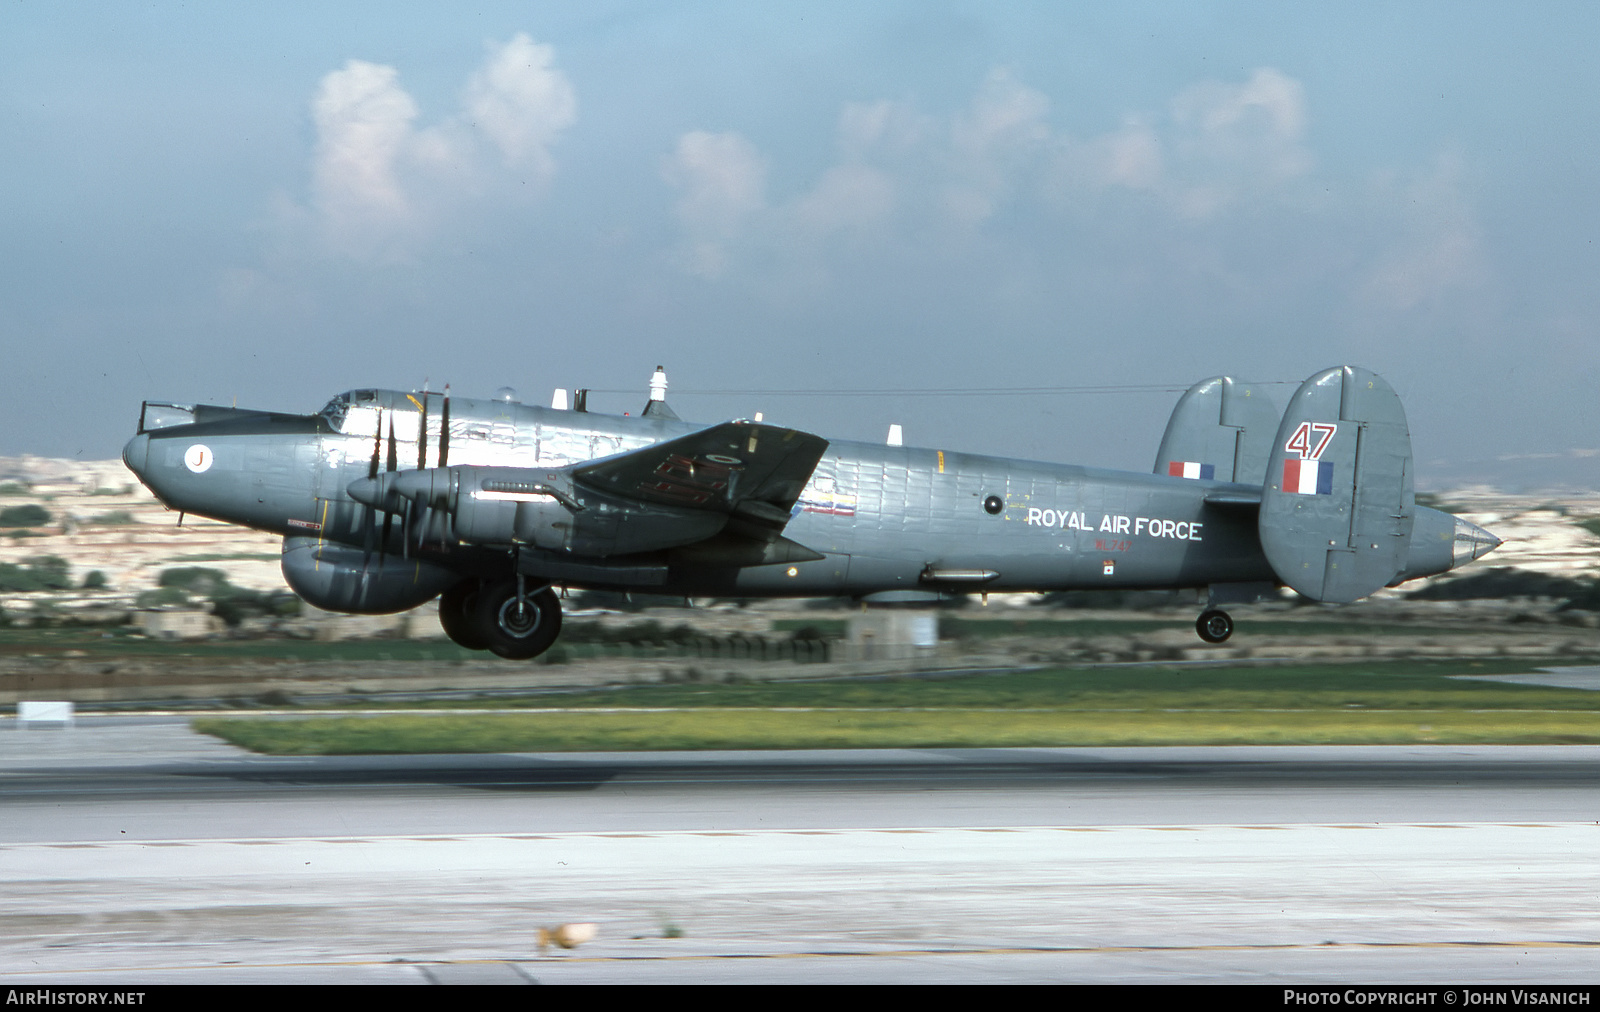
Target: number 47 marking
{"x": 1310, "y": 439}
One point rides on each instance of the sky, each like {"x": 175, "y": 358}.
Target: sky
{"x": 1018, "y": 229}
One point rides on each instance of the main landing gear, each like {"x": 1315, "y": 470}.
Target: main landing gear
{"x": 505, "y": 617}
{"x": 1214, "y": 625}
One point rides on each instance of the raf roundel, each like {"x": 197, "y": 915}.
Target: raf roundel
{"x": 198, "y": 458}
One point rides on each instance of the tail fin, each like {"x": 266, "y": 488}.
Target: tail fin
{"x": 1220, "y": 429}
{"x": 1338, "y": 505}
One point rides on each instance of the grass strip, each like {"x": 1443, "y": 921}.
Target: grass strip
{"x": 712, "y": 729}
{"x": 1381, "y": 685}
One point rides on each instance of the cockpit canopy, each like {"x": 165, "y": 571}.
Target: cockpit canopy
{"x": 364, "y": 421}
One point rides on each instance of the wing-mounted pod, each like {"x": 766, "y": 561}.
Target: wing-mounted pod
{"x": 1221, "y": 429}
{"x": 1338, "y": 506}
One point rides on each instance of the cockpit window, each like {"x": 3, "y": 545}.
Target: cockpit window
{"x": 335, "y": 412}
{"x": 353, "y": 413}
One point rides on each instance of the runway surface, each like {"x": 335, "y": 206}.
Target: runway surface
{"x": 134, "y": 851}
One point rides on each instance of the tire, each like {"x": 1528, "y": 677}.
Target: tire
{"x": 512, "y": 634}
{"x": 458, "y": 608}
{"x": 1214, "y": 626}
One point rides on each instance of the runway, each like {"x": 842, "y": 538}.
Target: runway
{"x": 133, "y": 851}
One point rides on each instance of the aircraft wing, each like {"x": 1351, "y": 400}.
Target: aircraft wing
{"x": 749, "y": 471}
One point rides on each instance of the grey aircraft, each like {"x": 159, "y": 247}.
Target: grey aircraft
{"x": 388, "y": 499}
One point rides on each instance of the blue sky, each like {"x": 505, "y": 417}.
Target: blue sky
{"x": 272, "y": 203}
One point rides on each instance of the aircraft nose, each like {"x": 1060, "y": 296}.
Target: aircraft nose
{"x": 136, "y": 453}
{"x": 1472, "y": 542}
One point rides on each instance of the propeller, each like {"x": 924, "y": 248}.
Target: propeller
{"x": 368, "y": 526}
{"x": 444, "y": 430}
{"x": 422, "y": 431}
{"x": 388, "y": 518}
{"x": 414, "y": 494}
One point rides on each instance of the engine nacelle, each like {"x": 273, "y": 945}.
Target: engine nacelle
{"x": 498, "y": 507}
{"x": 503, "y": 505}
{"x": 339, "y": 578}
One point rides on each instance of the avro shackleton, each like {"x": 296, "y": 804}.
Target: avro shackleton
{"x": 388, "y": 499}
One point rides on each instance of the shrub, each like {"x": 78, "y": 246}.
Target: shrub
{"x": 41, "y": 572}
{"x": 29, "y": 515}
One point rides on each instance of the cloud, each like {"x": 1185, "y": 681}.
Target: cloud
{"x": 849, "y": 197}
{"x": 363, "y": 120}
{"x": 1230, "y": 140}
{"x": 994, "y": 142}
{"x": 1440, "y": 248}
{"x": 521, "y": 102}
{"x": 380, "y": 183}
{"x": 1219, "y": 146}
{"x": 722, "y": 183}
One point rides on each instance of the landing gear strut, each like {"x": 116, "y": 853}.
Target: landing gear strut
{"x": 516, "y": 621}
{"x": 1214, "y": 625}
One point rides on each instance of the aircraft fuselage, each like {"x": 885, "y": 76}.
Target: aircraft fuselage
{"x": 882, "y": 518}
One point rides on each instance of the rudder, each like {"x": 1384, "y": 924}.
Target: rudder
{"x": 1338, "y": 504}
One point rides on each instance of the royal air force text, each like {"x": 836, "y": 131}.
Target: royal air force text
{"x": 1114, "y": 523}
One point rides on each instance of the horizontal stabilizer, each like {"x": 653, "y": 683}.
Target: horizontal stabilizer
{"x": 1222, "y": 430}
{"x": 1337, "y": 507}
{"x": 1235, "y": 498}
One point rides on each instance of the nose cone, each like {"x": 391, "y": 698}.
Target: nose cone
{"x": 367, "y": 491}
{"x": 1472, "y": 542}
{"x": 136, "y": 454}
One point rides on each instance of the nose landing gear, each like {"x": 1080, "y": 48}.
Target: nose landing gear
{"x": 1214, "y": 625}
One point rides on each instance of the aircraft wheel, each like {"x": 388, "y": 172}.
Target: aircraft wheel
{"x": 1214, "y": 626}
{"x": 517, "y": 631}
{"x": 458, "y": 608}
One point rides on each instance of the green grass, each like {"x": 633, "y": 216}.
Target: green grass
{"x": 1393, "y": 703}
{"x": 825, "y": 729}
{"x": 1387, "y": 685}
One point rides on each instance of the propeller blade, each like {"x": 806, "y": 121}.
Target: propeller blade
{"x": 425, "y": 516}
{"x": 444, "y": 430}
{"x": 447, "y": 528}
{"x": 394, "y": 460}
{"x": 383, "y": 546}
{"x": 422, "y": 432}
{"x": 368, "y": 528}
{"x": 377, "y": 446}
{"x": 369, "y": 522}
